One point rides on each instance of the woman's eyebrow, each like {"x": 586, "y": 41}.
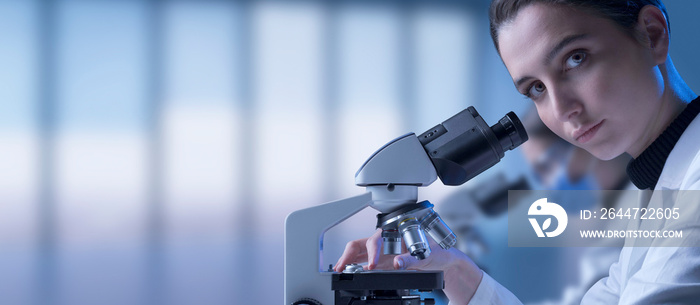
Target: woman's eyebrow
{"x": 522, "y": 80}
{"x": 560, "y": 46}
{"x": 553, "y": 53}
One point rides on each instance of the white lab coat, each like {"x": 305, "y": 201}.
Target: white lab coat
{"x": 647, "y": 275}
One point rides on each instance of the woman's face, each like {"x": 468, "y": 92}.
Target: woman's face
{"x": 593, "y": 84}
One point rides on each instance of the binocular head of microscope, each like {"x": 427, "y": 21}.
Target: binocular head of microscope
{"x": 456, "y": 151}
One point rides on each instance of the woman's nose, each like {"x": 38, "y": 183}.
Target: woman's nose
{"x": 565, "y": 103}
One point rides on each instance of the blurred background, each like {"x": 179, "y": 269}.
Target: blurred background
{"x": 151, "y": 150}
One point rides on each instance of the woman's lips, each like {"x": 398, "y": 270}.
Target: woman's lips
{"x": 584, "y": 135}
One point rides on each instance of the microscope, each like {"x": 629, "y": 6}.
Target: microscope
{"x": 457, "y": 150}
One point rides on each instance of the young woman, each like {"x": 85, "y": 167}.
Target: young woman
{"x": 600, "y": 76}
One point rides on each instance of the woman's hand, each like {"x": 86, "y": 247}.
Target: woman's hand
{"x": 367, "y": 250}
{"x": 461, "y": 275}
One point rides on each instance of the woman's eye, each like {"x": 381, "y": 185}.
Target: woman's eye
{"x": 536, "y": 90}
{"x": 574, "y": 60}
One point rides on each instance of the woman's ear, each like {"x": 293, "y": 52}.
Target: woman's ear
{"x": 653, "y": 28}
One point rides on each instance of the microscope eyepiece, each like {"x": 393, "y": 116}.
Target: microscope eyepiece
{"x": 464, "y": 146}
{"x": 509, "y": 131}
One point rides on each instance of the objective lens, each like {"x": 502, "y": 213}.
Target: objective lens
{"x": 439, "y": 231}
{"x": 392, "y": 241}
{"x": 414, "y": 237}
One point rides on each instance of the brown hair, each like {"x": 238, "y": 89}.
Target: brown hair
{"x": 623, "y": 12}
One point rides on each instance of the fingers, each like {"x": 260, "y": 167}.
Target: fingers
{"x": 439, "y": 259}
{"x": 406, "y": 261}
{"x": 363, "y": 250}
{"x": 355, "y": 252}
{"x": 374, "y": 248}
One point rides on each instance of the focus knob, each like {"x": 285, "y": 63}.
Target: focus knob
{"x": 307, "y": 301}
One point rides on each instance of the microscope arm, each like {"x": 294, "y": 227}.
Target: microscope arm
{"x": 303, "y": 245}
